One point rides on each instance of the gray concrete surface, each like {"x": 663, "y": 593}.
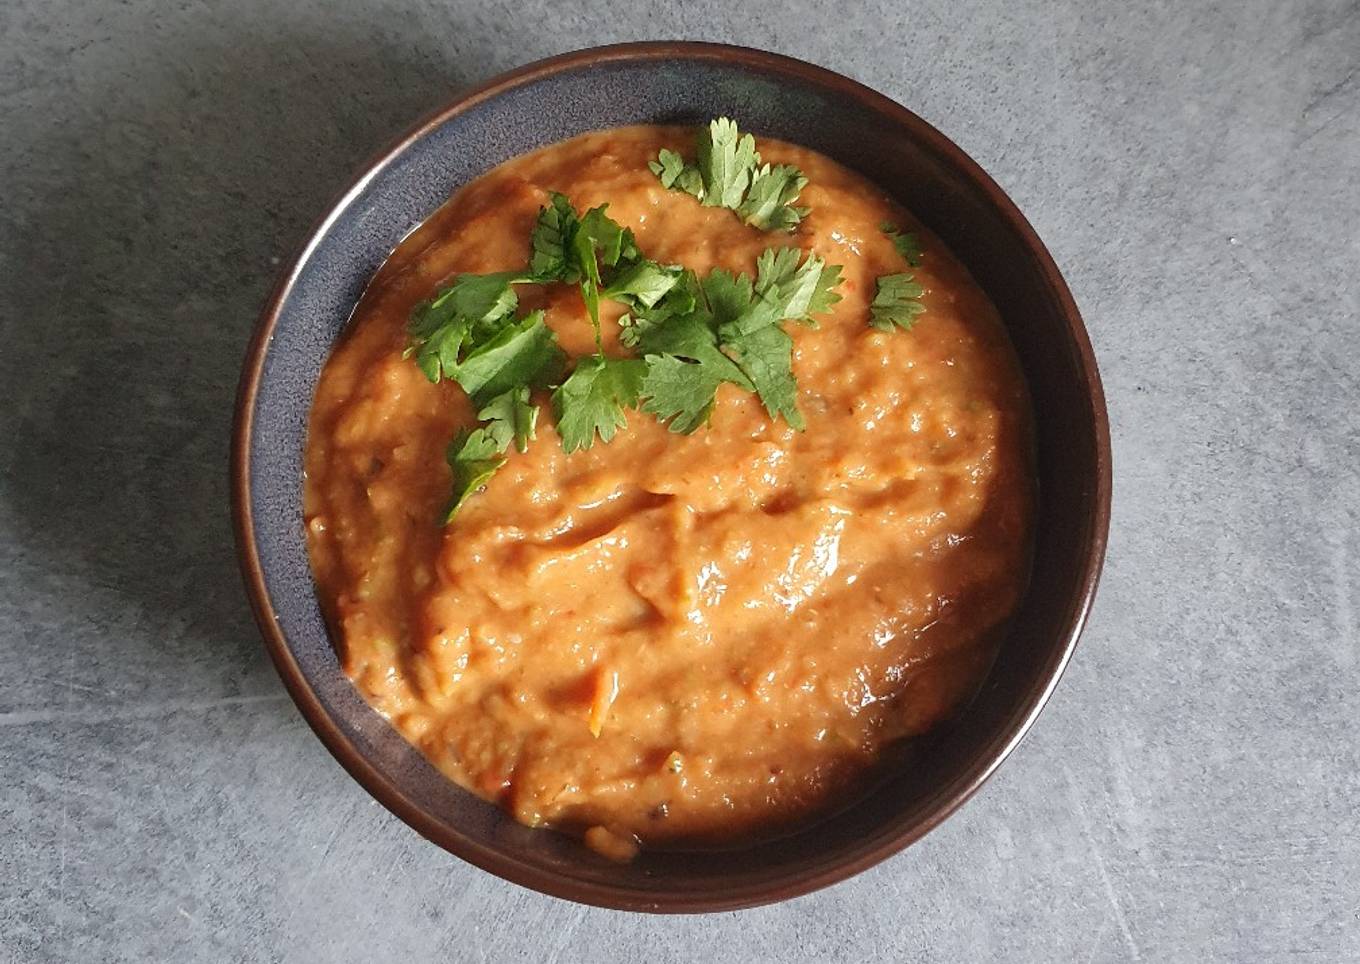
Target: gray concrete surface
{"x": 1190, "y": 795}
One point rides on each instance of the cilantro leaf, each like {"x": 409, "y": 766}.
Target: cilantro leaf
{"x": 824, "y": 293}
{"x": 684, "y": 364}
{"x": 597, "y": 241}
{"x": 766, "y": 357}
{"x": 908, "y": 245}
{"x": 743, "y": 321}
{"x": 769, "y": 203}
{"x": 668, "y": 167}
{"x": 474, "y": 456}
{"x": 643, "y": 284}
{"x": 801, "y": 290}
{"x": 895, "y": 303}
{"x": 691, "y": 336}
{"x": 557, "y": 222}
{"x": 436, "y": 344}
{"x": 727, "y": 173}
{"x": 600, "y": 236}
{"x": 783, "y": 289}
{"x": 748, "y": 317}
{"x": 728, "y": 295}
{"x": 524, "y": 352}
{"x": 474, "y": 306}
{"x": 681, "y": 393}
{"x": 483, "y": 299}
{"x": 778, "y": 267}
{"x": 675, "y": 174}
{"x": 691, "y": 181}
{"x": 764, "y": 310}
{"x": 512, "y": 416}
{"x": 592, "y": 399}
{"x": 726, "y": 159}
{"x": 683, "y": 297}
{"x": 684, "y": 369}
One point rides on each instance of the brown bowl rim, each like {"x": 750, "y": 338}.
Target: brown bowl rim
{"x": 488, "y": 858}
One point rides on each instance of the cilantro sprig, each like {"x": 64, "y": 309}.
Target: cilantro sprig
{"x": 908, "y": 245}
{"x": 475, "y": 455}
{"x": 594, "y": 251}
{"x": 727, "y": 172}
{"x": 690, "y": 335}
{"x": 896, "y": 301}
{"x": 469, "y": 333}
{"x": 497, "y": 369}
{"x": 728, "y": 329}
{"x": 593, "y": 399}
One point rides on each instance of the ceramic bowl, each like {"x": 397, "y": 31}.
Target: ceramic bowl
{"x": 772, "y": 96}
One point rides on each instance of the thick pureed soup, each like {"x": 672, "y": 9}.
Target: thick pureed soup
{"x": 675, "y": 639}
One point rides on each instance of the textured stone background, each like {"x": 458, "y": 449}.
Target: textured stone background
{"x": 1192, "y": 792}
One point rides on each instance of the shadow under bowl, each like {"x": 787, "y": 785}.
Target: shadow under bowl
{"x": 773, "y": 96}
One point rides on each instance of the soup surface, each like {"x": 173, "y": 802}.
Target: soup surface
{"x": 675, "y": 639}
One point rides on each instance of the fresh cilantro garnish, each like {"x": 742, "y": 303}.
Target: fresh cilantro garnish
{"x": 801, "y": 290}
{"x": 592, "y": 399}
{"x": 766, "y": 356}
{"x": 725, "y": 159}
{"x": 908, "y": 245}
{"x": 727, "y": 173}
{"x": 693, "y": 336}
{"x": 684, "y": 364}
{"x": 495, "y": 359}
{"x": 783, "y": 290}
{"x": 731, "y": 332}
{"x": 671, "y": 168}
{"x": 668, "y": 167}
{"x": 643, "y": 284}
{"x": 483, "y": 299}
{"x": 470, "y": 311}
{"x": 689, "y": 335}
{"x": 597, "y": 245}
{"x": 436, "y": 342}
{"x": 474, "y": 456}
{"x": 610, "y": 241}
{"x": 595, "y": 251}
{"x": 523, "y": 353}
{"x": 681, "y": 392}
{"x": 467, "y": 334}
{"x": 557, "y": 221}
{"x": 512, "y": 417}
{"x": 769, "y": 203}
{"x": 895, "y": 302}
{"x": 602, "y": 256}
{"x": 684, "y": 297}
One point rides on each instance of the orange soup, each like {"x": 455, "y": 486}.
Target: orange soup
{"x": 675, "y": 639}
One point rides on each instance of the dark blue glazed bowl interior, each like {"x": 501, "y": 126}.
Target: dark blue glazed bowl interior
{"x": 773, "y": 97}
